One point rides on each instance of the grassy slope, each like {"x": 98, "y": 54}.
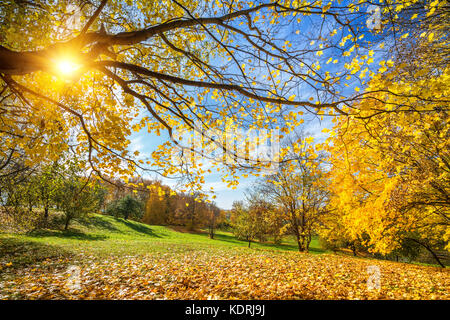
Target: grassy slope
{"x": 130, "y": 260}
{"x": 105, "y": 235}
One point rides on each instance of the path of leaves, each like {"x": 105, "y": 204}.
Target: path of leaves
{"x": 225, "y": 275}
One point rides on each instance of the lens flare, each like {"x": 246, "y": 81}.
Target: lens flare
{"x": 67, "y": 66}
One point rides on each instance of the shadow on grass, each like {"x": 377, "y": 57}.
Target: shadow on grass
{"x": 21, "y": 253}
{"x": 183, "y": 229}
{"x": 283, "y": 246}
{"x": 100, "y": 223}
{"x": 227, "y": 238}
{"x": 138, "y": 227}
{"x": 291, "y": 247}
{"x": 68, "y": 234}
{"x": 317, "y": 250}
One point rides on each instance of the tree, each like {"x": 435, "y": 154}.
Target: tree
{"x": 28, "y": 190}
{"x": 275, "y": 223}
{"x": 158, "y": 207}
{"x": 201, "y": 66}
{"x": 259, "y": 210}
{"x": 393, "y": 187}
{"x": 18, "y": 197}
{"x": 390, "y": 163}
{"x": 76, "y": 195}
{"x": 214, "y": 67}
{"x": 46, "y": 181}
{"x": 335, "y": 234}
{"x": 243, "y": 223}
{"x": 127, "y": 207}
{"x": 390, "y": 173}
{"x": 298, "y": 190}
{"x": 213, "y": 217}
{"x": 249, "y": 218}
{"x": 20, "y": 191}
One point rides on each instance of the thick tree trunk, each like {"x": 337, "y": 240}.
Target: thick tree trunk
{"x": 353, "y": 249}
{"x": 45, "y": 217}
{"x": 299, "y": 242}
{"x": 66, "y": 226}
{"x": 307, "y": 242}
{"x": 296, "y": 231}
{"x": 17, "y": 63}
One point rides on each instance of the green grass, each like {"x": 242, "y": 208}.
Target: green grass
{"x": 103, "y": 235}
{"x": 116, "y": 254}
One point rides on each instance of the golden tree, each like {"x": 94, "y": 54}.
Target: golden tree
{"x": 83, "y": 75}
{"x": 390, "y": 168}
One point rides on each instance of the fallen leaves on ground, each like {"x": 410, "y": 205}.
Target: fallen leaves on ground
{"x": 222, "y": 274}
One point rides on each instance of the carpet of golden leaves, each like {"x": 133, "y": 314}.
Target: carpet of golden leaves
{"x": 222, "y": 274}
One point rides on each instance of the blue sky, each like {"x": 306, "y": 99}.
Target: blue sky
{"x": 313, "y": 126}
{"x": 145, "y": 143}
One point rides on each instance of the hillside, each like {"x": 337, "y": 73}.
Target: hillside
{"x": 114, "y": 258}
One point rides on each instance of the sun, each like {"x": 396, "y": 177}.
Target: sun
{"x": 67, "y": 66}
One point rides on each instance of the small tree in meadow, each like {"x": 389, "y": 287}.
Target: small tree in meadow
{"x": 76, "y": 195}
{"x": 127, "y": 207}
{"x": 243, "y": 223}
